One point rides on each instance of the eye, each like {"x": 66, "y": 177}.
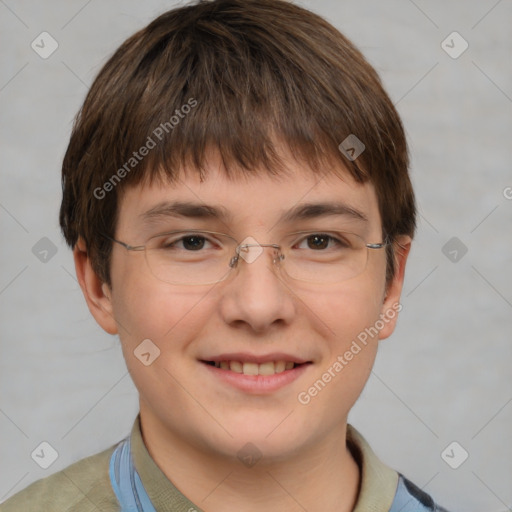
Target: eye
{"x": 322, "y": 241}
{"x": 193, "y": 242}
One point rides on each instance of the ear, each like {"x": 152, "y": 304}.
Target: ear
{"x": 391, "y": 305}
{"x": 97, "y": 294}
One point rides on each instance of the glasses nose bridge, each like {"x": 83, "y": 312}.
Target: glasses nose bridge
{"x": 250, "y": 258}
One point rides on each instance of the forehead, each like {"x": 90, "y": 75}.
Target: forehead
{"x": 255, "y": 198}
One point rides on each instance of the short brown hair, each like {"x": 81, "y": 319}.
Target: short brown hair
{"x": 259, "y": 72}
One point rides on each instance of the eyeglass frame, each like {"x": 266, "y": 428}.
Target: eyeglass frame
{"x": 233, "y": 262}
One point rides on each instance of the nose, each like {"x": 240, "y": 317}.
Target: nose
{"x": 256, "y": 295}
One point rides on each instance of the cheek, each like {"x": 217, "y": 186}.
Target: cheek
{"x": 152, "y": 310}
{"x": 346, "y": 311}
{"x": 347, "y": 316}
{"x": 171, "y": 317}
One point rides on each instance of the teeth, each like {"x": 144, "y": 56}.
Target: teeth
{"x": 267, "y": 368}
{"x": 250, "y": 369}
{"x": 236, "y": 366}
{"x": 279, "y": 366}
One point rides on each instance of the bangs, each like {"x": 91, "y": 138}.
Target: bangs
{"x": 232, "y": 86}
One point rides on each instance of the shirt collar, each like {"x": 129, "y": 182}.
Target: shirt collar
{"x": 378, "y": 481}
{"x": 376, "y": 494}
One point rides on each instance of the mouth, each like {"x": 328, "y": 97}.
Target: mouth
{"x": 252, "y": 368}
{"x": 253, "y": 374}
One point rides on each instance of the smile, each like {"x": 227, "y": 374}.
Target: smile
{"x": 250, "y": 368}
{"x": 255, "y": 374}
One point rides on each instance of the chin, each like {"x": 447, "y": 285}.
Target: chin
{"x": 254, "y": 436}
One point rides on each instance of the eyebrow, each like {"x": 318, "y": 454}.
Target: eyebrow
{"x": 302, "y": 211}
{"x": 314, "y": 210}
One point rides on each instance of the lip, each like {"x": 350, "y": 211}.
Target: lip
{"x": 256, "y": 384}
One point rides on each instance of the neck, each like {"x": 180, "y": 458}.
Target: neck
{"x": 322, "y": 477}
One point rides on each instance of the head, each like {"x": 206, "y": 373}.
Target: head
{"x": 238, "y": 104}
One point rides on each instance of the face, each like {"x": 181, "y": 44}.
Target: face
{"x": 257, "y": 320}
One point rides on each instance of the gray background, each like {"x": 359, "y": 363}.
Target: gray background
{"x": 445, "y": 374}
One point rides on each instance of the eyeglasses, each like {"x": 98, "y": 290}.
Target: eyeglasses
{"x": 189, "y": 257}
